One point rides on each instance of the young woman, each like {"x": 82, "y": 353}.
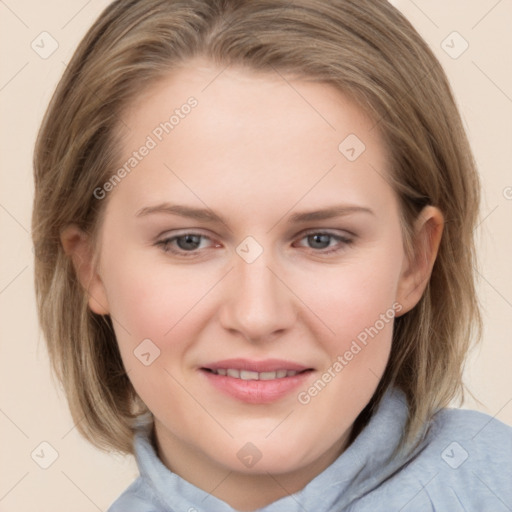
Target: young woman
{"x": 253, "y": 228}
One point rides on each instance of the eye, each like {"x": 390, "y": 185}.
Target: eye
{"x": 321, "y": 240}
{"x": 189, "y": 244}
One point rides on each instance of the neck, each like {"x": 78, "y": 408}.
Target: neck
{"x": 242, "y": 491}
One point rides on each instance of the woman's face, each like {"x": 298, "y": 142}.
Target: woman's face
{"x": 251, "y": 258}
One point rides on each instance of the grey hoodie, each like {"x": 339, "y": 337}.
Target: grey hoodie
{"x": 464, "y": 464}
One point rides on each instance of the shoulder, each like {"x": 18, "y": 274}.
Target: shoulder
{"x": 481, "y": 436}
{"x": 134, "y": 499}
{"x": 466, "y": 462}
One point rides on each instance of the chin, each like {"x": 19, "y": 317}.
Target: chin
{"x": 274, "y": 458}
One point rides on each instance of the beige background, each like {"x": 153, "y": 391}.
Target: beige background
{"x": 32, "y": 411}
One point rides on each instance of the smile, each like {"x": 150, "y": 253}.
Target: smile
{"x": 251, "y": 375}
{"x": 256, "y": 382}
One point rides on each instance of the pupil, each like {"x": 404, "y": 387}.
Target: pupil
{"x": 189, "y": 239}
{"x": 321, "y": 239}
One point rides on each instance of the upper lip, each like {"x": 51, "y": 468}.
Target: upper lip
{"x": 266, "y": 365}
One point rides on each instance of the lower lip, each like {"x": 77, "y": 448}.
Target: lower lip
{"x": 256, "y": 391}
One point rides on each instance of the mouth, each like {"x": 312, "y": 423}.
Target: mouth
{"x": 256, "y": 382}
{"x": 236, "y": 373}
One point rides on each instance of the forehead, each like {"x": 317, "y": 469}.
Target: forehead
{"x": 250, "y": 134}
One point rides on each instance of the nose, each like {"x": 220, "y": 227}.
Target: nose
{"x": 258, "y": 304}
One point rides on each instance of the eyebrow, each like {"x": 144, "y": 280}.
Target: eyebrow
{"x": 206, "y": 215}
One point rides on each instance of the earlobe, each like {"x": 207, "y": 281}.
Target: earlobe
{"x": 77, "y": 246}
{"x": 428, "y": 230}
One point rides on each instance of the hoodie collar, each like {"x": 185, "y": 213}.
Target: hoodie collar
{"x": 355, "y": 473}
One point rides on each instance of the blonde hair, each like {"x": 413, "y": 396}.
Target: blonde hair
{"x": 365, "y": 48}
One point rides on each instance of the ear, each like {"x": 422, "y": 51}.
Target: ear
{"x": 77, "y": 246}
{"x": 417, "y": 268}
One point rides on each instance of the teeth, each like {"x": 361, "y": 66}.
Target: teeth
{"x": 250, "y": 375}
{"x": 246, "y": 375}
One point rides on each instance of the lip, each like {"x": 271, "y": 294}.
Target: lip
{"x": 266, "y": 365}
{"x": 256, "y": 391}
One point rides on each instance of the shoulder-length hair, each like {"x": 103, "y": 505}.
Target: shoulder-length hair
{"x": 365, "y": 48}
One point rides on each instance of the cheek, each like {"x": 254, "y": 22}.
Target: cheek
{"x": 151, "y": 300}
{"x": 356, "y": 296}
{"x": 153, "y": 307}
{"x": 359, "y": 306}
{"x": 360, "y": 309}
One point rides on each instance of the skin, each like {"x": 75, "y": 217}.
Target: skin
{"x": 255, "y": 150}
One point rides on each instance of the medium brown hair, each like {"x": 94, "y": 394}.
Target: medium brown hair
{"x": 365, "y": 48}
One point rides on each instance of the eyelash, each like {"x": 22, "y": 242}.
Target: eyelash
{"x": 166, "y": 243}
